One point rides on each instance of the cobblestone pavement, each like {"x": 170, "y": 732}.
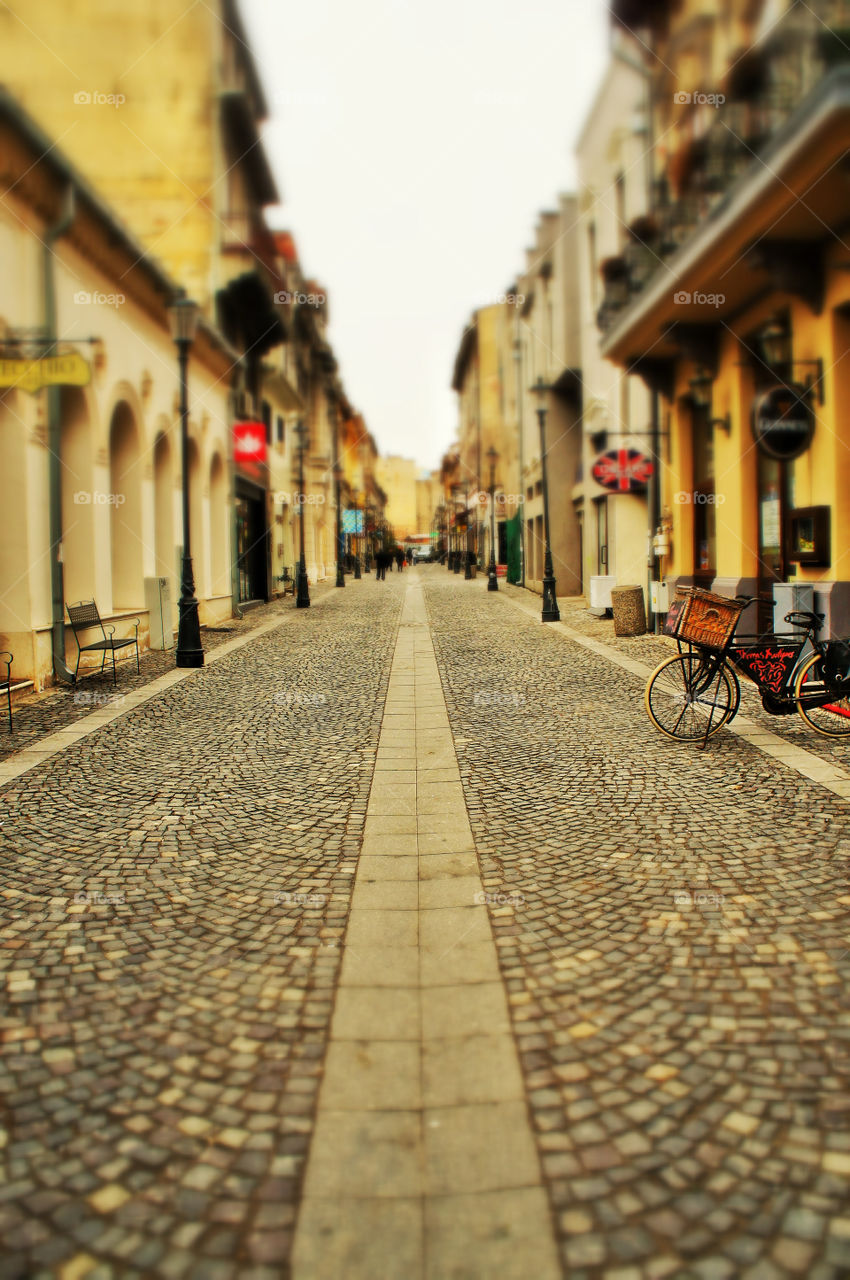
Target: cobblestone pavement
{"x": 673, "y": 935}
{"x": 671, "y": 928}
{"x": 175, "y": 888}
{"x": 37, "y": 714}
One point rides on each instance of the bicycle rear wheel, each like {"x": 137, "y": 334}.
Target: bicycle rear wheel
{"x": 688, "y": 701}
{"x": 832, "y": 719}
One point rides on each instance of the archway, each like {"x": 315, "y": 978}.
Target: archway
{"x": 163, "y": 485}
{"x": 125, "y": 509}
{"x": 219, "y": 575}
{"x": 79, "y": 499}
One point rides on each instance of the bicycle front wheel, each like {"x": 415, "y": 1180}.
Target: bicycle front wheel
{"x": 689, "y": 701}
{"x": 831, "y": 718}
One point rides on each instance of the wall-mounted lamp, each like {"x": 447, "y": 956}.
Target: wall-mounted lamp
{"x": 701, "y": 386}
{"x": 775, "y": 340}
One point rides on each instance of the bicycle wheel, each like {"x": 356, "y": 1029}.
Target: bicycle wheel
{"x": 832, "y": 719}
{"x": 687, "y": 700}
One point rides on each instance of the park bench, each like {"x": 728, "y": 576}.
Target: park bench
{"x": 84, "y": 617}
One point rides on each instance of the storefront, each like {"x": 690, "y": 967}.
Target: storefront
{"x": 744, "y": 337}
{"x": 251, "y": 504}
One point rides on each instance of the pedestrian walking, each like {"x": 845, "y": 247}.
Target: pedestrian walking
{"x": 381, "y": 566}
{"x": 399, "y": 558}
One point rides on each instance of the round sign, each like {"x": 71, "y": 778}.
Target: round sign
{"x": 783, "y": 421}
{"x": 623, "y": 470}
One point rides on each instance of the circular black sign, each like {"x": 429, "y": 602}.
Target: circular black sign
{"x": 783, "y": 421}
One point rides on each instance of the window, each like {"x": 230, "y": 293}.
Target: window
{"x": 281, "y": 431}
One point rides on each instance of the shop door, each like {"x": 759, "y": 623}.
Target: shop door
{"x": 250, "y": 549}
{"x": 601, "y": 508}
{"x": 704, "y": 500}
{"x": 772, "y": 508}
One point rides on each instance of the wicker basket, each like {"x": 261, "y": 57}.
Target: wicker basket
{"x": 705, "y": 618}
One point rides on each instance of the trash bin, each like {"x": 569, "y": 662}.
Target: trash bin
{"x": 629, "y": 611}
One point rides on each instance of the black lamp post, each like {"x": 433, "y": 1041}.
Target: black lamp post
{"x": 550, "y": 600}
{"x": 368, "y": 520}
{"x": 183, "y": 320}
{"x": 357, "y": 536}
{"x": 492, "y": 576}
{"x": 340, "y": 577}
{"x": 456, "y": 488}
{"x": 470, "y": 557}
{"x": 302, "y": 595}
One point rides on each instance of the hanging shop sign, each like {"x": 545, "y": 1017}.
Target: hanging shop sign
{"x": 783, "y": 421}
{"x": 352, "y": 520}
{"x": 50, "y": 371}
{"x": 249, "y": 442}
{"x": 622, "y": 470}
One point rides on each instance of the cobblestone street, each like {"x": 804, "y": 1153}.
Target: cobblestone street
{"x": 397, "y": 943}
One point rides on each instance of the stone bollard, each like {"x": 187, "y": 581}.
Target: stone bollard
{"x": 629, "y": 611}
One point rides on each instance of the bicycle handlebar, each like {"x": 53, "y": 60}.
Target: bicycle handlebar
{"x": 803, "y": 618}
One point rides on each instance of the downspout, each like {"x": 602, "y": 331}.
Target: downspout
{"x": 54, "y": 427}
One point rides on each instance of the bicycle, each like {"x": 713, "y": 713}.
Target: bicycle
{"x": 691, "y": 695}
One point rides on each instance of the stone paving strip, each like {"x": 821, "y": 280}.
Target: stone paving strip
{"x": 423, "y": 1162}
{"x": 806, "y": 763}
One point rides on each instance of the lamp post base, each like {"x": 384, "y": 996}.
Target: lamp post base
{"x": 550, "y": 613}
{"x": 357, "y": 574}
{"x": 492, "y": 577}
{"x": 189, "y": 650}
{"x": 340, "y": 578}
{"x": 302, "y": 598}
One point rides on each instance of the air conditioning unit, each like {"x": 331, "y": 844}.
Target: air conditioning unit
{"x": 789, "y": 597}
{"x": 600, "y": 590}
{"x": 158, "y": 605}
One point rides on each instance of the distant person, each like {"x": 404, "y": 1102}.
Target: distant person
{"x": 381, "y": 559}
{"x": 399, "y": 558}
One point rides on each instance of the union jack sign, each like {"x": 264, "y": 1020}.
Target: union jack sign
{"x": 623, "y": 470}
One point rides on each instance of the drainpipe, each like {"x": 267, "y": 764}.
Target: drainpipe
{"x": 54, "y": 463}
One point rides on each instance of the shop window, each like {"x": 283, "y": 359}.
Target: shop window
{"x": 704, "y": 498}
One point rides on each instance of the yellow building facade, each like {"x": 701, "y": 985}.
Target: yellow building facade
{"x": 742, "y": 331}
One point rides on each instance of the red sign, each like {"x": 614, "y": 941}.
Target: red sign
{"x": 249, "y": 442}
{"x": 623, "y": 470}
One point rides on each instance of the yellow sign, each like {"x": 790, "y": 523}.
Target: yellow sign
{"x": 51, "y": 371}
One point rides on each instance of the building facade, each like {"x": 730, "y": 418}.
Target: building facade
{"x": 742, "y": 328}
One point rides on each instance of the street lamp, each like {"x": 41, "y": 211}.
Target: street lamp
{"x": 357, "y": 527}
{"x": 340, "y": 577}
{"x": 368, "y": 522}
{"x": 467, "y": 570}
{"x": 183, "y": 321}
{"x": 456, "y": 488}
{"x": 302, "y": 596}
{"x": 492, "y": 576}
{"x": 550, "y": 601}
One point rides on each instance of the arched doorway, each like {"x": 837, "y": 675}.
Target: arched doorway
{"x": 219, "y": 575}
{"x": 79, "y": 500}
{"x": 125, "y": 509}
{"x": 163, "y": 486}
{"x": 196, "y": 521}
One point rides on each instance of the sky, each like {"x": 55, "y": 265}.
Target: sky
{"x": 414, "y": 143}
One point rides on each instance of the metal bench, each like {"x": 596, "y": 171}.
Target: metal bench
{"x": 6, "y": 659}
{"x": 84, "y": 616}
